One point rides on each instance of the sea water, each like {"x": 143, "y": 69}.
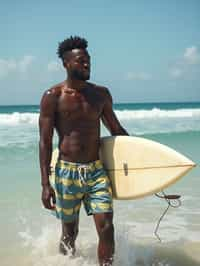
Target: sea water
{"x": 30, "y": 235}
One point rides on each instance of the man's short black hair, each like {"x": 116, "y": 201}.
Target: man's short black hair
{"x": 71, "y": 43}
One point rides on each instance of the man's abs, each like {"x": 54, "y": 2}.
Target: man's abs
{"x": 79, "y": 146}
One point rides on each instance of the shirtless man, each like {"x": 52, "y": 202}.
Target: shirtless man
{"x": 74, "y": 108}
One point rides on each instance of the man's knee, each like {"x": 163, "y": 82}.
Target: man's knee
{"x": 106, "y": 230}
{"x": 70, "y": 230}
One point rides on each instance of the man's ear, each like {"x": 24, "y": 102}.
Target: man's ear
{"x": 65, "y": 64}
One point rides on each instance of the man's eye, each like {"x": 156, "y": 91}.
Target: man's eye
{"x": 80, "y": 61}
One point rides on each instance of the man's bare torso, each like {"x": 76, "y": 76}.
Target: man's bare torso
{"x": 77, "y": 121}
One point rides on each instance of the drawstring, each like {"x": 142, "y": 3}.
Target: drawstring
{"x": 83, "y": 177}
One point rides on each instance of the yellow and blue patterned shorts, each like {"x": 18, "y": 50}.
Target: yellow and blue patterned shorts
{"x": 77, "y": 182}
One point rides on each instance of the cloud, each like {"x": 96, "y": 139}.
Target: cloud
{"x": 54, "y": 66}
{"x": 138, "y": 76}
{"x": 187, "y": 64}
{"x": 7, "y": 66}
{"x": 12, "y": 66}
{"x": 176, "y": 72}
{"x": 192, "y": 55}
{"x": 25, "y": 62}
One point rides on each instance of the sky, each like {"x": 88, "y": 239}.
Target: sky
{"x": 142, "y": 51}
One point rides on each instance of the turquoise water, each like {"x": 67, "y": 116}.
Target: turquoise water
{"x": 31, "y": 234}
{"x": 119, "y": 106}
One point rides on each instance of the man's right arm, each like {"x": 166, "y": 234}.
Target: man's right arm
{"x": 46, "y": 125}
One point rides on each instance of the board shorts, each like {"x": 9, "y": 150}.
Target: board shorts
{"x": 81, "y": 182}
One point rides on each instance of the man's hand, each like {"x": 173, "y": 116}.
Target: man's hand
{"x": 48, "y": 197}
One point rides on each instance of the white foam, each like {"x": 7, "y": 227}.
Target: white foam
{"x": 42, "y": 249}
{"x": 16, "y": 118}
{"x": 24, "y": 126}
{"x": 157, "y": 113}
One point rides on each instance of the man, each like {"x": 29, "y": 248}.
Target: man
{"x": 74, "y": 108}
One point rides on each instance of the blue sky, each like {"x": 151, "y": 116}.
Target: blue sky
{"x": 143, "y": 51}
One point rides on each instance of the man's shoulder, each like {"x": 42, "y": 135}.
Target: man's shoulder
{"x": 51, "y": 95}
{"x": 56, "y": 89}
{"x": 102, "y": 89}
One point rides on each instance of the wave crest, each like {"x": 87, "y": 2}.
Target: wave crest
{"x": 16, "y": 118}
{"x": 157, "y": 113}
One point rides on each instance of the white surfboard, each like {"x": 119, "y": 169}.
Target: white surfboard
{"x": 138, "y": 167}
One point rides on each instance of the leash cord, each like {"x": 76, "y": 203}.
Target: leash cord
{"x": 172, "y": 201}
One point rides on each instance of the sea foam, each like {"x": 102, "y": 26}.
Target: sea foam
{"x": 157, "y": 113}
{"x": 21, "y": 129}
{"x": 17, "y": 118}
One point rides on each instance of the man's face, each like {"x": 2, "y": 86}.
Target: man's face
{"x": 78, "y": 64}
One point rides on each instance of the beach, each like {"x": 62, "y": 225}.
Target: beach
{"x": 30, "y": 234}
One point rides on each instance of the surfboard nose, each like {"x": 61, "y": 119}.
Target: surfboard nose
{"x": 188, "y": 162}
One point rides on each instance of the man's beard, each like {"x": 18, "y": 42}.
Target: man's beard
{"x": 75, "y": 74}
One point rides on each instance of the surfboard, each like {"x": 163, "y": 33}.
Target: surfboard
{"x": 138, "y": 167}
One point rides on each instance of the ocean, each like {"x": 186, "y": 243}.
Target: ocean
{"x": 30, "y": 234}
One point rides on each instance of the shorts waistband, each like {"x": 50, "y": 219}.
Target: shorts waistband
{"x": 75, "y": 165}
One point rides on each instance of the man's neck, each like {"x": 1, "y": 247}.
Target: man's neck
{"x": 75, "y": 84}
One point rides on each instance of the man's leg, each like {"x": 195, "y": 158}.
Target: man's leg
{"x": 105, "y": 229}
{"x": 68, "y": 237}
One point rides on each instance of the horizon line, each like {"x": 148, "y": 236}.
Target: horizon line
{"x": 147, "y": 102}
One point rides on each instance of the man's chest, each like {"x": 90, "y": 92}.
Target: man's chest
{"x": 77, "y": 106}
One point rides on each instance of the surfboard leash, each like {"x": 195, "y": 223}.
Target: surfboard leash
{"x": 172, "y": 201}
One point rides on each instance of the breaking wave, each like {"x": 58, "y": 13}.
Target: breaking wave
{"x": 17, "y": 118}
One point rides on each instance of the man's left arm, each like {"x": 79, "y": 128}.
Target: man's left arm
{"x": 109, "y": 118}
